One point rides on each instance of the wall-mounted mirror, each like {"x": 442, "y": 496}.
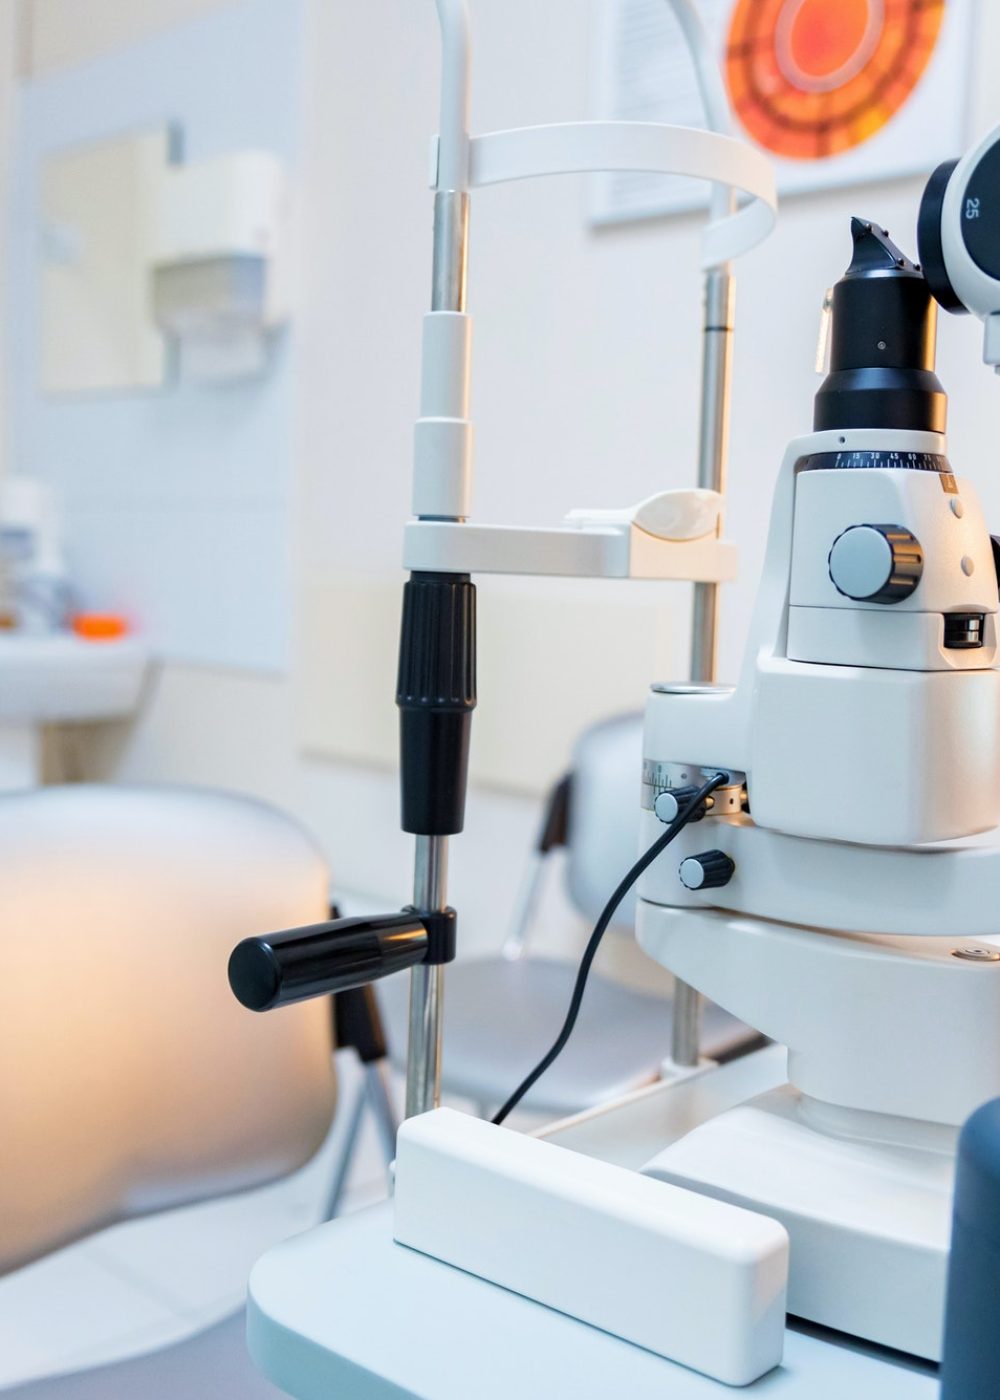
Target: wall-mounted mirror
{"x": 98, "y": 205}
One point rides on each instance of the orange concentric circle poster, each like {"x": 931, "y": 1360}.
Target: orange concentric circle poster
{"x": 810, "y": 79}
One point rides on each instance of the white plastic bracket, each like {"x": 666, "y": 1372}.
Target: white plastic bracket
{"x": 669, "y": 536}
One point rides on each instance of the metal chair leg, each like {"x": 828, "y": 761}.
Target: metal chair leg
{"x": 377, "y": 1087}
{"x": 358, "y": 1025}
{"x": 348, "y": 1148}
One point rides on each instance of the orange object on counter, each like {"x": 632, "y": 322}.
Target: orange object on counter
{"x": 100, "y": 627}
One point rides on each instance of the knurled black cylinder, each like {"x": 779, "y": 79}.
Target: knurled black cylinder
{"x": 436, "y": 694}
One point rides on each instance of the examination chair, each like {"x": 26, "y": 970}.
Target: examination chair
{"x": 503, "y": 1012}
{"x": 131, "y": 1081}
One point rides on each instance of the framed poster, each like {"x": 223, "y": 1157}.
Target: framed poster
{"x": 835, "y": 92}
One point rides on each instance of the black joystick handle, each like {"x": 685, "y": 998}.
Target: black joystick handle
{"x": 277, "y": 969}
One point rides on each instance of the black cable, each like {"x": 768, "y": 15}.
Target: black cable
{"x": 600, "y": 928}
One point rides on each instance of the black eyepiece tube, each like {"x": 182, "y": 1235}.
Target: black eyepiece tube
{"x": 882, "y": 344}
{"x": 278, "y": 969}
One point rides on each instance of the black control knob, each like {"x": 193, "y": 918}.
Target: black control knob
{"x": 707, "y": 871}
{"x": 929, "y": 240}
{"x": 876, "y": 563}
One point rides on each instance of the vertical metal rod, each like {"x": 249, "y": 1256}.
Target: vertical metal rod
{"x": 451, "y": 248}
{"x": 423, "y": 1058}
{"x": 713, "y": 450}
{"x": 430, "y": 875}
{"x": 717, "y": 360}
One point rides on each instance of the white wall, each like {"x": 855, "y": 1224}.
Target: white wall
{"x": 585, "y": 390}
{"x": 60, "y": 33}
{"x": 178, "y": 499}
{"x": 11, "y": 41}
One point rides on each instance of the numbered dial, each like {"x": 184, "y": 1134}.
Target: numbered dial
{"x": 876, "y": 563}
{"x": 979, "y": 214}
{"x": 870, "y": 459}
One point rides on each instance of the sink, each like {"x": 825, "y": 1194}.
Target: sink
{"x": 59, "y": 679}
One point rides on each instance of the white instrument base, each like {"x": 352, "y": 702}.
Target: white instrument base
{"x": 343, "y": 1310}
{"x": 895, "y": 1026}
{"x": 868, "y": 1218}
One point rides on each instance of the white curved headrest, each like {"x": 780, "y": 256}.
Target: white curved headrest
{"x": 130, "y": 1078}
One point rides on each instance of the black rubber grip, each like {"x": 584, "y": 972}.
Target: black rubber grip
{"x": 436, "y": 694}
{"x": 278, "y": 969}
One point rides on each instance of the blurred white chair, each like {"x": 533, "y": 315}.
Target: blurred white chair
{"x": 130, "y": 1078}
{"x": 502, "y": 1013}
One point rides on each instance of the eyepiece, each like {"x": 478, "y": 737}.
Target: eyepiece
{"x": 883, "y": 343}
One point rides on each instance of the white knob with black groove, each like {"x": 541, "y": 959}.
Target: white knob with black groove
{"x": 707, "y": 871}
{"x": 670, "y": 804}
{"x": 876, "y": 563}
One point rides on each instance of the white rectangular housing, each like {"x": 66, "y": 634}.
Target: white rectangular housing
{"x": 862, "y": 754}
{"x": 220, "y": 261}
{"x": 697, "y": 1281}
{"x": 234, "y": 204}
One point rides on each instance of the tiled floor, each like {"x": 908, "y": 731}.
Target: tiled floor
{"x": 149, "y": 1282}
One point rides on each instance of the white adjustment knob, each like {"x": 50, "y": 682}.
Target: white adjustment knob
{"x": 876, "y": 563}
{"x": 669, "y": 805}
{"x": 707, "y": 871}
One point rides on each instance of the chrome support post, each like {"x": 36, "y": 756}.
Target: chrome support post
{"x": 717, "y": 361}
{"x": 430, "y": 878}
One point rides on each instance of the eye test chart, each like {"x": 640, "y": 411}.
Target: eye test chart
{"x": 836, "y": 92}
